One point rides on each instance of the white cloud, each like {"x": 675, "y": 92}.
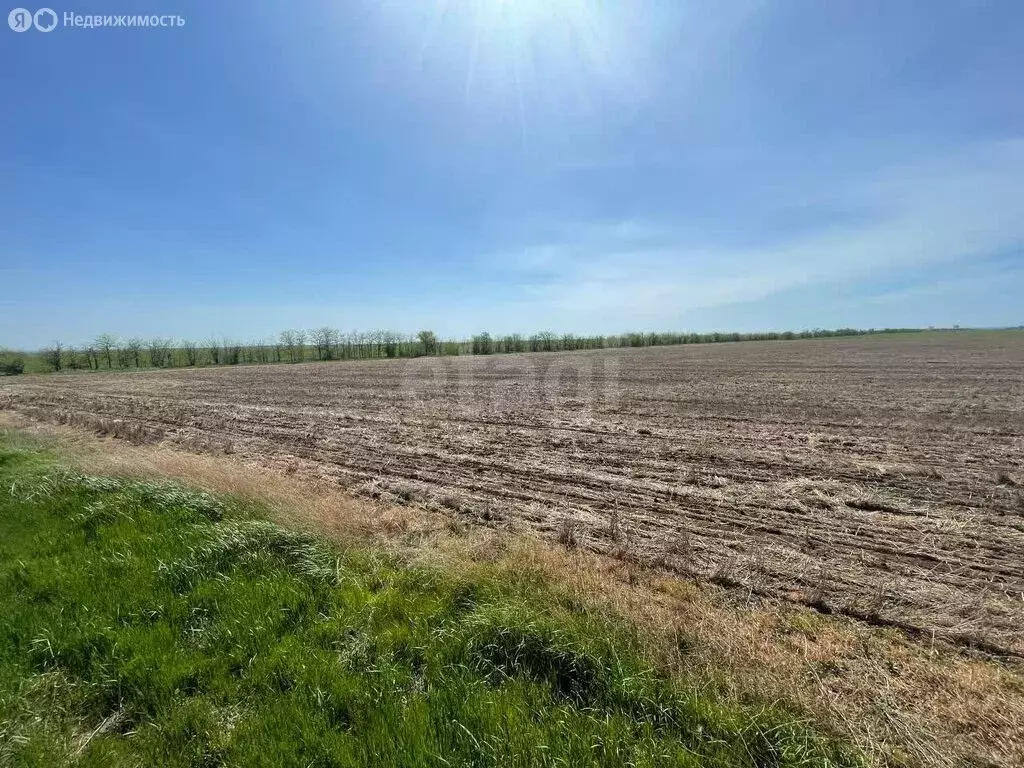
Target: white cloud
{"x": 967, "y": 205}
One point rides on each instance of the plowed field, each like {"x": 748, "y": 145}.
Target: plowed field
{"x": 878, "y": 476}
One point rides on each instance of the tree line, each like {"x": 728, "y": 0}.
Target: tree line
{"x": 109, "y": 352}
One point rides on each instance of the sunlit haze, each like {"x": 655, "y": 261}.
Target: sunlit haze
{"x": 513, "y": 165}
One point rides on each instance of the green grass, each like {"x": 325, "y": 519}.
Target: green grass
{"x": 142, "y": 623}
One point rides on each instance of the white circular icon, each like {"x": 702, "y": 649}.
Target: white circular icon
{"x": 20, "y": 19}
{"x": 45, "y": 19}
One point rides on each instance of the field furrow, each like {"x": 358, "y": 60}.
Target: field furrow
{"x": 878, "y": 476}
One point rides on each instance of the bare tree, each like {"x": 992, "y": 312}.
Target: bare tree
{"x": 264, "y": 350}
{"x": 288, "y": 342}
{"x": 160, "y": 352}
{"x": 134, "y": 349}
{"x": 295, "y": 343}
{"x": 106, "y": 343}
{"x": 232, "y": 352}
{"x": 321, "y": 338}
{"x": 54, "y": 355}
{"x": 124, "y": 357}
{"x": 326, "y": 341}
{"x": 189, "y": 348}
{"x": 73, "y": 360}
{"x": 213, "y": 349}
{"x": 390, "y": 343}
{"x": 92, "y": 356}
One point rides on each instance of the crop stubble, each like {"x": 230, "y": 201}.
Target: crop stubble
{"x": 876, "y": 476}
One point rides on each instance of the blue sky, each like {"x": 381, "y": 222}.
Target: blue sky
{"x": 512, "y": 165}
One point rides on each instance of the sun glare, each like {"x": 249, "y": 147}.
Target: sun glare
{"x": 546, "y": 67}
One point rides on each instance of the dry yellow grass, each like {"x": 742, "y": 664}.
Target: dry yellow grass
{"x": 905, "y": 701}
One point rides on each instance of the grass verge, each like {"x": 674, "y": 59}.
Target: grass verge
{"x": 143, "y": 622}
